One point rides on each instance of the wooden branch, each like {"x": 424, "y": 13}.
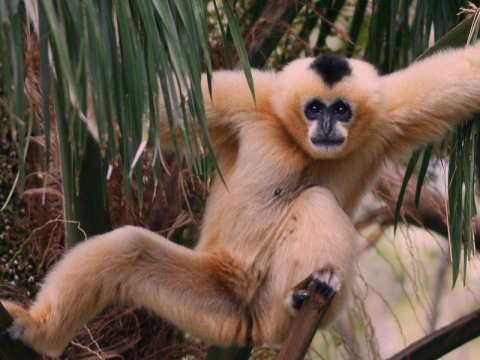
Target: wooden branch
{"x": 265, "y": 34}
{"x": 431, "y": 212}
{"x": 444, "y": 340}
{"x": 304, "y": 326}
{"x": 233, "y": 352}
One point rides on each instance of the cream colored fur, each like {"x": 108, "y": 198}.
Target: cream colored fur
{"x": 284, "y": 212}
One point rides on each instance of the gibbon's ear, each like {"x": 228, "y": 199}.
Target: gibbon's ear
{"x": 425, "y": 100}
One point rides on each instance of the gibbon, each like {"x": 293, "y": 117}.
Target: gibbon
{"x": 295, "y": 162}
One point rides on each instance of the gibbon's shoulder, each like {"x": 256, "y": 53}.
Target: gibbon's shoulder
{"x": 235, "y": 80}
{"x": 232, "y": 95}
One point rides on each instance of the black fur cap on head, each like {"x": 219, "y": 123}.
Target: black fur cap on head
{"x": 332, "y": 68}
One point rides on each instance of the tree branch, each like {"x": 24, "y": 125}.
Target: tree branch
{"x": 430, "y": 213}
{"x": 266, "y": 32}
{"x": 444, "y": 340}
{"x": 304, "y": 326}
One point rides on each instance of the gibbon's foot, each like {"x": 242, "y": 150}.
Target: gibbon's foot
{"x": 327, "y": 283}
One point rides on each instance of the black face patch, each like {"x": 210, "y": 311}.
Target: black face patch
{"x": 331, "y": 68}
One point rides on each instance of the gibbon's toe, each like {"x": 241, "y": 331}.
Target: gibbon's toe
{"x": 298, "y": 297}
{"x": 327, "y": 283}
{"x": 21, "y": 319}
{"x": 27, "y": 328}
{"x": 5, "y": 336}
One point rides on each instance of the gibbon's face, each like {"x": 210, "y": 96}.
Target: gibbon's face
{"x": 328, "y": 103}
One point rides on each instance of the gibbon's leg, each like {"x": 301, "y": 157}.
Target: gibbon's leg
{"x": 197, "y": 291}
{"x": 319, "y": 242}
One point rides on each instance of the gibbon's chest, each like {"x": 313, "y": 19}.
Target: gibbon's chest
{"x": 252, "y": 201}
{"x": 270, "y": 167}
{"x": 261, "y": 187}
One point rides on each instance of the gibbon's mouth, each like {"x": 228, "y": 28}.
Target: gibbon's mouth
{"x": 327, "y": 141}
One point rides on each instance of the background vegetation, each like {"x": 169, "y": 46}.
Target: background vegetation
{"x": 68, "y": 186}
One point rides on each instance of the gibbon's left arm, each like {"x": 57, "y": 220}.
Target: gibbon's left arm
{"x": 431, "y": 96}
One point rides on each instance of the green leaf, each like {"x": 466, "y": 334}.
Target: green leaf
{"x": 331, "y": 13}
{"x": 456, "y": 37}
{"x": 45, "y": 79}
{"x": 59, "y": 45}
{"x": 408, "y": 174}
{"x": 226, "y": 41}
{"x": 239, "y": 45}
{"x": 356, "y": 26}
{"x": 455, "y": 205}
{"x": 427, "y": 154}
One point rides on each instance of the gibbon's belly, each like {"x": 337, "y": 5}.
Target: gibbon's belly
{"x": 318, "y": 235}
{"x": 315, "y": 234}
{"x": 259, "y": 224}
{"x": 253, "y": 219}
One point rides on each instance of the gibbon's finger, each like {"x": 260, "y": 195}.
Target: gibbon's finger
{"x": 327, "y": 283}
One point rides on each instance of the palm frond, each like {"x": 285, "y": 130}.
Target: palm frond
{"x": 114, "y": 61}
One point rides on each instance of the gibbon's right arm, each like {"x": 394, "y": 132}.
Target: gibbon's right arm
{"x": 229, "y": 106}
{"x": 231, "y": 97}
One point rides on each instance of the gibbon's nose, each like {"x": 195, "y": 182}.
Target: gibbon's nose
{"x": 326, "y": 125}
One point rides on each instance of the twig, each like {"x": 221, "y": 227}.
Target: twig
{"x": 304, "y": 326}
{"x": 444, "y": 340}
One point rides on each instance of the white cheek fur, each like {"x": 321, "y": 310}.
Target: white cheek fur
{"x": 342, "y": 129}
{"x": 312, "y": 128}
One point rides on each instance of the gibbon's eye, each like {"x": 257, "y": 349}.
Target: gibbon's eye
{"x": 313, "y": 108}
{"x": 341, "y": 110}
